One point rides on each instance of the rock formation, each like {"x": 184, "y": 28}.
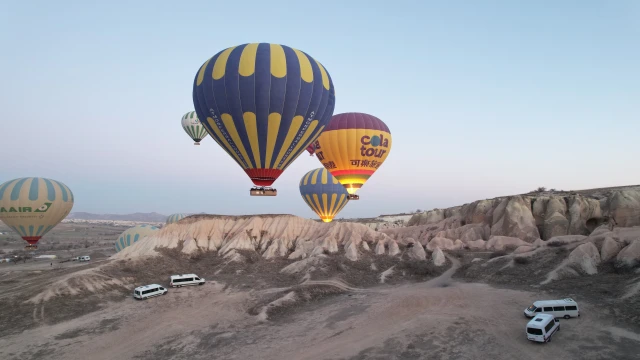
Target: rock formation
{"x": 528, "y": 217}
{"x": 270, "y": 235}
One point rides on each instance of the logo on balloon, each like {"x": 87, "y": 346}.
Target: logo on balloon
{"x": 372, "y": 145}
{"x": 25, "y": 209}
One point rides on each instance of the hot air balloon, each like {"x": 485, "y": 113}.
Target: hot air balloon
{"x": 263, "y": 104}
{"x": 352, "y": 148}
{"x": 311, "y": 149}
{"x": 133, "y": 235}
{"x": 323, "y": 193}
{"x": 173, "y": 218}
{"x": 33, "y": 206}
{"x": 193, "y": 127}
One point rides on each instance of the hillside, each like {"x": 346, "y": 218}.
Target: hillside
{"x": 528, "y": 217}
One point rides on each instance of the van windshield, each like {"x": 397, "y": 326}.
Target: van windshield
{"x": 534, "y": 331}
{"x": 532, "y": 308}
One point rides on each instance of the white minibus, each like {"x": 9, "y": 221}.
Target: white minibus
{"x": 542, "y": 327}
{"x": 565, "y": 308}
{"x": 186, "y": 279}
{"x": 84, "y": 258}
{"x": 147, "y": 291}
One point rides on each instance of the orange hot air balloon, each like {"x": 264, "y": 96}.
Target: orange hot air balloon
{"x": 352, "y": 148}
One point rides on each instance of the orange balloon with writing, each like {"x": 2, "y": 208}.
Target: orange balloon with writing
{"x": 352, "y": 148}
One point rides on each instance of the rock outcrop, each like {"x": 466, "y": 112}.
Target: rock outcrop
{"x": 416, "y": 252}
{"x": 586, "y": 258}
{"x": 270, "y": 235}
{"x": 528, "y": 217}
{"x": 610, "y": 249}
{"x": 629, "y": 257}
{"x": 438, "y": 257}
{"x": 500, "y": 243}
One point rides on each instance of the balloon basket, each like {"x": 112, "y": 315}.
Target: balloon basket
{"x": 354, "y": 197}
{"x": 31, "y": 247}
{"x": 196, "y": 143}
{"x": 263, "y": 191}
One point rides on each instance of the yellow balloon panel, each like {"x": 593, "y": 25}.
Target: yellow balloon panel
{"x": 33, "y": 206}
{"x": 353, "y": 155}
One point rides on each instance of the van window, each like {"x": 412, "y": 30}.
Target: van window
{"x": 539, "y": 310}
{"x": 137, "y": 292}
{"x": 197, "y": 278}
{"x": 571, "y": 308}
{"x": 549, "y": 326}
{"x": 188, "y": 279}
{"x": 534, "y": 331}
{"x": 558, "y": 308}
{"x": 548, "y": 309}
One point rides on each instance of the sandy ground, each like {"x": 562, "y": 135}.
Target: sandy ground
{"x": 438, "y": 319}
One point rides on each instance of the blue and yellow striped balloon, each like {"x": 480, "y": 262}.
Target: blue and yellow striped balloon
{"x": 33, "y": 206}
{"x": 133, "y": 235}
{"x": 323, "y": 193}
{"x": 263, "y": 104}
{"x": 173, "y": 218}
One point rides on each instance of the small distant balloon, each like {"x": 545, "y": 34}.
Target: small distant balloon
{"x": 174, "y": 218}
{"x": 323, "y": 193}
{"x": 193, "y": 127}
{"x": 32, "y": 206}
{"x": 133, "y": 235}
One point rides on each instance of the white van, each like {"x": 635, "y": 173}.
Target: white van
{"x": 186, "y": 279}
{"x": 147, "y": 291}
{"x": 565, "y": 308}
{"x": 542, "y": 327}
{"x": 84, "y": 258}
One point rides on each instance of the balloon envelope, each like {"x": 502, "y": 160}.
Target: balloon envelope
{"x": 323, "y": 193}
{"x": 263, "y": 104}
{"x": 311, "y": 149}
{"x": 173, "y": 218}
{"x": 192, "y": 126}
{"x": 133, "y": 235}
{"x": 33, "y": 206}
{"x": 353, "y": 147}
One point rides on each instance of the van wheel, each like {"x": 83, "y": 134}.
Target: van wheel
{"x": 567, "y": 317}
{"x": 201, "y": 283}
{"x": 549, "y": 339}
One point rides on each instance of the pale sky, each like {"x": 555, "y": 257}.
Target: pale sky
{"x": 483, "y": 98}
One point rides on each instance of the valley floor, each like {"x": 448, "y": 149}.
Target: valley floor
{"x": 438, "y": 319}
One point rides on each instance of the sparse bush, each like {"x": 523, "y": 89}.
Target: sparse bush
{"x": 521, "y": 260}
{"x": 497, "y": 254}
{"x": 541, "y": 189}
{"x": 562, "y": 251}
{"x": 554, "y": 244}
